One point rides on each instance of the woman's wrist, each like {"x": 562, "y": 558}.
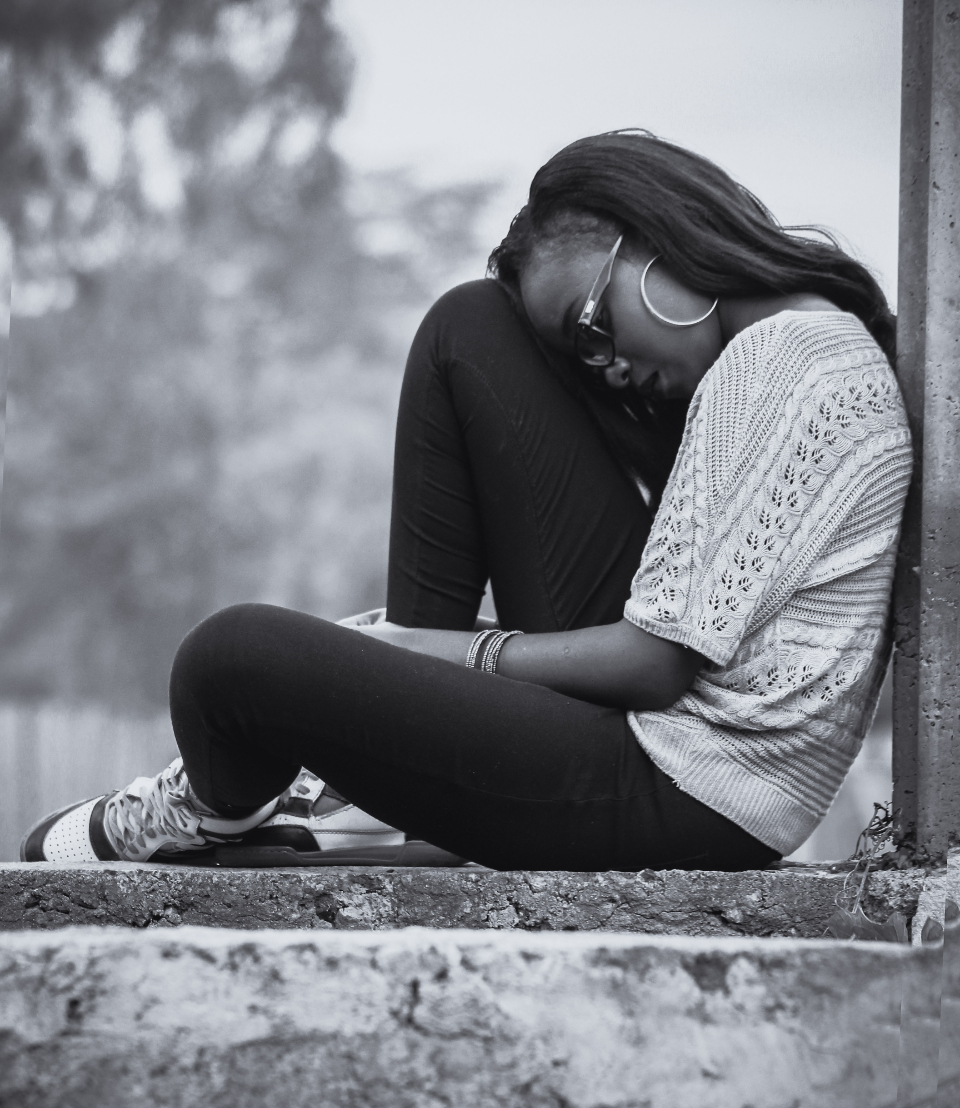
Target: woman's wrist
{"x": 485, "y": 649}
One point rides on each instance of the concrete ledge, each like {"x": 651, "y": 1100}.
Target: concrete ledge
{"x": 938, "y": 886}
{"x": 102, "y": 1018}
{"x": 792, "y": 901}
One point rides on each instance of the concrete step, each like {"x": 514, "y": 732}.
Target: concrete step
{"x": 788, "y": 900}
{"x": 105, "y": 1017}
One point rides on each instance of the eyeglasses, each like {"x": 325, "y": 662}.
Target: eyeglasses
{"x": 594, "y": 346}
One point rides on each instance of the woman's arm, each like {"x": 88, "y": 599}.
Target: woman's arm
{"x": 617, "y": 664}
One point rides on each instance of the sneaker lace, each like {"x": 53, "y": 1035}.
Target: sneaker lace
{"x": 152, "y": 812}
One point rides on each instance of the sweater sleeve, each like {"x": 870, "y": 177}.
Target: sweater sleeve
{"x": 778, "y": 446}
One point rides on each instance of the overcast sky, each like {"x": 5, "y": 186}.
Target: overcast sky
{"x": 798, "y": 99}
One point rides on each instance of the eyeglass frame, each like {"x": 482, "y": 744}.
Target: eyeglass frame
{"x": 585, "y": 322}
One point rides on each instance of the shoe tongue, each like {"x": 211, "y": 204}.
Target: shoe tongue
{"x": 328, "y": 801}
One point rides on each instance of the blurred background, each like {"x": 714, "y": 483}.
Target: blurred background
{"x": 225, "y": 219}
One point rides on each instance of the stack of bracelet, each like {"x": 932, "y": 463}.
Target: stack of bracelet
{"x": 485, "y": 649}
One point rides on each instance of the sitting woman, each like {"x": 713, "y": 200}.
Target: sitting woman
{"x": 668, "y": 433}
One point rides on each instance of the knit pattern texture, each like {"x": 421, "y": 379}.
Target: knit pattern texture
{"x": 772, "y": 554}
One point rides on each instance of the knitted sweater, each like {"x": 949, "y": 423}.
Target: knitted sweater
{"x": 772, "y": 554}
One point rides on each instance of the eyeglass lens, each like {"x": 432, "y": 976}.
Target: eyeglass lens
{"x": 594, "y": 348}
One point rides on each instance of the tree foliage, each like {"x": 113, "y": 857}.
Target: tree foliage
{"x": 126, "y": 120}
{"x": 207, "y": 343}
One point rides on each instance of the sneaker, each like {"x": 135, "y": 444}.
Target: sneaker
{"x": 315, "y": 826}
{"x": 154, "y": 819}
{"x": 159, "y": 819}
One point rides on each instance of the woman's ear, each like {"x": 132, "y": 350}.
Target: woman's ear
{"x": 617, "y": 375}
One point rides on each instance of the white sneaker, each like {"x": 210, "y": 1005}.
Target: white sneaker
{"x": 159, "y": 819}
{"x": 315, "y": 826}
{"x": 154, "y": 819}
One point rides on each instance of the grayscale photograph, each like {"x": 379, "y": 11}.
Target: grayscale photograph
{"x": 480, "y": 553}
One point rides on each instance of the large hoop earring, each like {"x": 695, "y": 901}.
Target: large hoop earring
{"x": 663, "y": 319}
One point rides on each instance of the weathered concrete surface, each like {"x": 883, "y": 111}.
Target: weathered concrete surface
{"x": 793, "y": 901}
{"x": 930, "y": 1015}
{"x": 938, "y": 887}
{"x": 920, "y": 1032}
{"x": 101, "y": 1018}
{"x": 948, "y": 1072}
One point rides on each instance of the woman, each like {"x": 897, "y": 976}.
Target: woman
{"x": 699, "y": 711}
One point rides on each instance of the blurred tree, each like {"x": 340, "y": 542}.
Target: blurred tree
{"x": 123, "y": 123}
{"x": 205, "y": 352}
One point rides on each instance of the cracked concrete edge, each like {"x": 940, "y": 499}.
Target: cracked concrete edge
{"x": 789, "y": 901}
{"x": 109, "y": 1017}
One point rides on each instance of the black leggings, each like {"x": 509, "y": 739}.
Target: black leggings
{"x": 500, "y": 473}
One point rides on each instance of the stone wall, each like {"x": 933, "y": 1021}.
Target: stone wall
{"x": 102, "y": 1018}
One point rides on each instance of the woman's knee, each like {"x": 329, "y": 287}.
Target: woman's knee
{"x": 211, "y": 655}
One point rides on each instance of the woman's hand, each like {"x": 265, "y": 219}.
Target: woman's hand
{"x": 378, "y": 617}
{"x": 392, "y": 633}
{"x": 364, "y": 619}
{"x": 451, "y": 645}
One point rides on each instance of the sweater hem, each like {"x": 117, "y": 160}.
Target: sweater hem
{"x": 752, "y": 803}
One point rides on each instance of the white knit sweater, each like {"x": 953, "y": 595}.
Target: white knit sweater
{"x": 772, "y": 555}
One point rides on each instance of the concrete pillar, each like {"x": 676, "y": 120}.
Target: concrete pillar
{"x": 927, "y": 594}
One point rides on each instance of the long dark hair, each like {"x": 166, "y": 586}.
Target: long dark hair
{"x": 713, "y": 234}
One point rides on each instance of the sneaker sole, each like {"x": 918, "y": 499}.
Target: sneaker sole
{"x": 416, "y": 852}
{"x": 413, "y": 853}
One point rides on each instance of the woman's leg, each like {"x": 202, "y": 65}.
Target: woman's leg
{"x": 499, "y": 469}
{"x": 512, "y": 775}
{"x": 501, "y": 472}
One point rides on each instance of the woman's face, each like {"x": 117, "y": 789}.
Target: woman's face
{"x": 656, "y": 359}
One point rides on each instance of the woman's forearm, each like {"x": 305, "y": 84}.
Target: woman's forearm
{"x": 617, "y": 664}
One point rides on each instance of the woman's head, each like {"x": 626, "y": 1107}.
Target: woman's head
{"x": 577, "y": 299}
{"x": 711, "y": 238}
